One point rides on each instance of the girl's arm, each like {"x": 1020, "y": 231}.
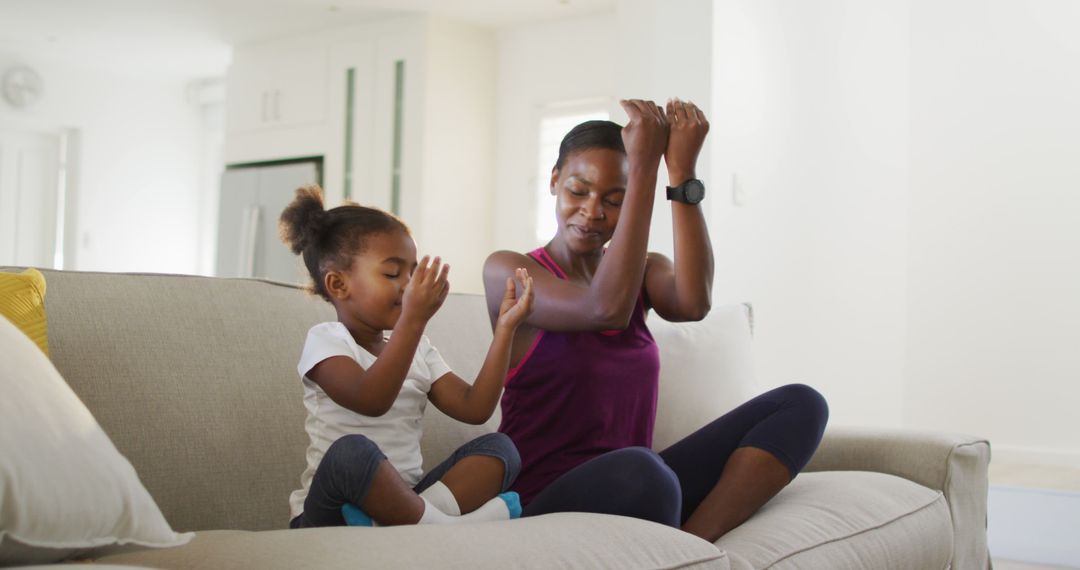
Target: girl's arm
{"x": 607, "y": 302}
{"x": 372, "y": 392}
{"x": 682, "y": 291}
{"x": 474, "y": 404}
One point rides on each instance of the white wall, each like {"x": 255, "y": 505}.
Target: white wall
{"x": 995, "y": 223}
{"x": 138, "y": 167}
{"x": 809, "y": 111}
{"x": 912, "y": 226}
{"x": 539, "y": 65}
{"x": 455, "y": 216}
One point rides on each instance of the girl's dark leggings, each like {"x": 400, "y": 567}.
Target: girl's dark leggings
{"x": 667, "y": 487}
{"x": 348, "y": 468}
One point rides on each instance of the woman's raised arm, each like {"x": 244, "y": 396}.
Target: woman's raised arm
{"x": 607, "y": 300}
{"x": 682, "y": 291}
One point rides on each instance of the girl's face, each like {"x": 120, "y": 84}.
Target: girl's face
{"x": 589, "y": 191}
{"x": 373, "y": 287}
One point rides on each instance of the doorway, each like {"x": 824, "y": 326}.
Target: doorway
{"x": 35, "y": 196}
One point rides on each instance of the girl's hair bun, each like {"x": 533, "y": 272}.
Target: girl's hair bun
{"x": 304, "y": 219}
{"x": 330, "y": 239}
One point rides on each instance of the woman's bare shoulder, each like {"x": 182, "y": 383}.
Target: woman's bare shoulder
{"x": 501, "y": 264}
{"x": 505, "y": 256}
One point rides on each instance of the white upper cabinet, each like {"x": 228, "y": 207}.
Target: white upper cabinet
{"x": 276, "y": 87}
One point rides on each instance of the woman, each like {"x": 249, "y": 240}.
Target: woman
{"x": 580, "y": 397}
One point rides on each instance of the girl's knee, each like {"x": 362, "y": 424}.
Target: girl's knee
{"x": 353, "y": 448}
{"x": 501, "y": 446}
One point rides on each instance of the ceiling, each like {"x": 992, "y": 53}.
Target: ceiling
{"x": 193, "y": 38}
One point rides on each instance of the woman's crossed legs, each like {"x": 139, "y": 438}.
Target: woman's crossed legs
{"x": 710, "y": 481}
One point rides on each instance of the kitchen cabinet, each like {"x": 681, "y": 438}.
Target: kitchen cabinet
{"x": 276, "y": 87}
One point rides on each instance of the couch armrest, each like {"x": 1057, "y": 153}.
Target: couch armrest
{"x": 956, "y": 465}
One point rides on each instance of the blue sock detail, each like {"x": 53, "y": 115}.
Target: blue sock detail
{"x": 355, "y": 517}
{"x": 513, "y": 503}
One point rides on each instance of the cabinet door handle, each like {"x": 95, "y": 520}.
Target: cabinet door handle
{"x": 265, "y": 95}
{"x": 277, "y": 106}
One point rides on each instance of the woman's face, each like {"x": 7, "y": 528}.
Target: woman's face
{"x": 588, "y": 192}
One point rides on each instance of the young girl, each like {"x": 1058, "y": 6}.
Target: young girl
{"x": 365, "y": 393}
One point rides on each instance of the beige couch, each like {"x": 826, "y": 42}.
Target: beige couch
{"x": 194, "y": 379}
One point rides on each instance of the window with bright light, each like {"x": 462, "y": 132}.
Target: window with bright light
{"x": 553, "y": 127}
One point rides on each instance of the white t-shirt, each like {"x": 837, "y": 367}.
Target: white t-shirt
{"x": 397, "y": 432}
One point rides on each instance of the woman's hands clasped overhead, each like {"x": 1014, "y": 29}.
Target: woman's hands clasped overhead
{"x": 687, "y": 128}
{"x": 645, "y": 135}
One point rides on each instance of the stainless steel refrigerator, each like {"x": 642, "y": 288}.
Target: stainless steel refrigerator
{"x": 252, "y": 199}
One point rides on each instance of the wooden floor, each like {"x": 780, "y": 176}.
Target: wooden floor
{"x": 1029, "y": 507}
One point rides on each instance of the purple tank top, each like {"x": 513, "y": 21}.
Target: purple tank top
{"x": 577, "y": 395}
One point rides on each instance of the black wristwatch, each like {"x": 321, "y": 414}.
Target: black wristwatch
{"x": 690, "y": 192}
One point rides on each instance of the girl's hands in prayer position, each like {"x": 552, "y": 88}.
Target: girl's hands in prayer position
{"x": 426, "y": 291}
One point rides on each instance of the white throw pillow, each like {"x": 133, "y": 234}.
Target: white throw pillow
{"x": 706, "y": 370}
{"x": 65, "y": 490}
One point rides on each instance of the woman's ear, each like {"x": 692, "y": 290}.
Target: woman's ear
{"x": 554, "y": 180}
{"x": 336, "y": 285}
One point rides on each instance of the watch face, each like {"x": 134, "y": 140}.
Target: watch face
{"x": 695, "y": 191}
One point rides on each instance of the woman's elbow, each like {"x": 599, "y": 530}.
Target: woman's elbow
{"x": 700, "y": 311}
{"x": 691, "y": 313}
{"x": 611, "y": 318}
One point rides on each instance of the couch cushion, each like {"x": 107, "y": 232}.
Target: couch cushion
{"x": 22, "y": 301}
{"x": 845, "y": 520}
{"x": 64, "y": 488}
{"x": 563, "y": 540}
{"x": 706, "y": 370}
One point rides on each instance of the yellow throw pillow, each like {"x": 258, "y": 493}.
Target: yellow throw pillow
{"x": 22, "y": 301}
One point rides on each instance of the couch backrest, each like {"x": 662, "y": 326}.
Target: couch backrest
{"x": 195, "y": 381}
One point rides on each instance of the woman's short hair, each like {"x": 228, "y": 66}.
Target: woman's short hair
{"x": 589, "y": 135}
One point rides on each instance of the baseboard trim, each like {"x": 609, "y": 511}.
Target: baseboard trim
{"x": 1035, "y": 455}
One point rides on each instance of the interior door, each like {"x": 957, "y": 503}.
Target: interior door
{"x": 29, "y": 187}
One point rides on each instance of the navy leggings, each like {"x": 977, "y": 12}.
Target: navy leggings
{"x": 667, "y": 487}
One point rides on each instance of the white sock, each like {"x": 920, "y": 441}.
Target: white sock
{"x": 440, "y": 496}
{"x": 493, "y": 510}
{"x": 432, "y": 515}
